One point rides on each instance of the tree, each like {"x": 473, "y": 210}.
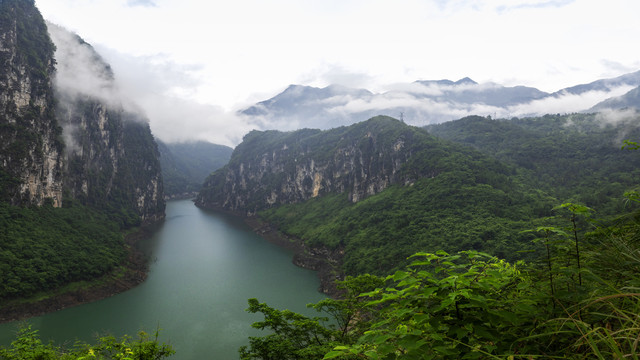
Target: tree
{"x": 466, "y": 305}
{"x": 28, "y": 346}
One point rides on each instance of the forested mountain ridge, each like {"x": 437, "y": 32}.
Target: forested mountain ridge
{"x": 574, "y": 157}
{"x": 186, "y": 165}
{"x": 78, "y": 167}
{"x": 376, "y": 192}
{"x": 273, "y": 168}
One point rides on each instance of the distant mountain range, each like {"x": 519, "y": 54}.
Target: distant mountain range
{"x": 426, "y": 102}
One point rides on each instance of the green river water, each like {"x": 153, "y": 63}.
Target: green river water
{"x": 205, "y": 265}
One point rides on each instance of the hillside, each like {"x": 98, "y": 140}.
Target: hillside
{"x": 185, "y": 166}
{"x": 575, "y": 157}
{"x": 77, "y": 168}
{"x": 375, "y": 192}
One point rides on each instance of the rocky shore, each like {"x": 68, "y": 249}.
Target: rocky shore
{"x": 134, "y": 273}
{"x": 326, "y": 262}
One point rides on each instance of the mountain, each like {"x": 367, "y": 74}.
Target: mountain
{"x": 605, "y": 85}
{"x": 630, "y": 100}
{"x": 111, "y": 156}
{"x": 78, "y": 164}
{"x": 467, "y": 92}
{"x": 273, "y": 168}
{"x": 305, "y": 106}
{"x": 425, "y": 102}
{"x": 574, "y": 157}
{"x": 364, "y": 197}
{"x": 56, "y": 139}
{"x": 31, "y": 149}
{"x": 185, "y": 166}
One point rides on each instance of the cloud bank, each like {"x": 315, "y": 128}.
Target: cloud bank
{"x": 151, "y": 86}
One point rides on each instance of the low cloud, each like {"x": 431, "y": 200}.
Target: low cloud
{"x": 80, "y": 71}
{"x": 144, "y": 3}
{"x": 164, "y": 89}
{"x": 617, "y": 117}
{"x": 419, "y": 104}
{"x": 151, "y": 86}
{"x": 564, "y": 102}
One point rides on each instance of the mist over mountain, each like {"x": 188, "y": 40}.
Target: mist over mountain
{"x": 78, "y": 163}
{"x": 630, "y": 100}
{"x": 186, "y": 165}
{"x": 426, "y": 102}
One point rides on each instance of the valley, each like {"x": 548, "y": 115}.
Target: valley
{"x": 435, "y": 219}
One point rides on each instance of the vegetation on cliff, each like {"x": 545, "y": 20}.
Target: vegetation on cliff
{"x": 447, "y": 195}
{"x": 578, "y": 301}
{"x": 186, "y": 165}
{"x": 273, "y": 168}
{"x": 30, "y": 137}
{"x": 65, "y": 200}
{"x": 573, "y": 157}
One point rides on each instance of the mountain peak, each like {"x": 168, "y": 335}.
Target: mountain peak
{"x": 465, "y": 81}
{"x": 447, "y": 82}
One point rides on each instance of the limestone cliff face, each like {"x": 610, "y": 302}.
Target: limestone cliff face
{"x": 272, "y": 168}
{"x": 30, "y": 143}
{"x": 111, "y": 156}
{"x": 63, "y": 129}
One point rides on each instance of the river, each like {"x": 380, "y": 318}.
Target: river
{"x": 204, "y": 267}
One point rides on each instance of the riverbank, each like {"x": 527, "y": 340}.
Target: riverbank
{"x": 128, "y": 275}
{"x": 326, "y": 262}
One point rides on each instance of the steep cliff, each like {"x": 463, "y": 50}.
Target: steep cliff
{"x": 273, "y": 168}
{"x": 112, "y": 158}
{"x": 63, "y": 129}
{"x": 30, "y": 138}
{"x": 73, "y": 148}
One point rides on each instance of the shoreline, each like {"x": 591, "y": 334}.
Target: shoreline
{"x": 131, "y": 273}
{"x": 325, "y": 262}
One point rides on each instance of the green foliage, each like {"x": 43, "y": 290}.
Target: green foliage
{"x": 185, "y": 166}
{"x": 294, "y": 336}
{"x": 28, "y": 346}
{"x": 42, "y": 248}
{"x": 573, "y": 157}
{"x": 448, "y": 212}
{"x": 463, "y": 306}
{"x": 34, "y": 47}
{"x": 473, "y": 306}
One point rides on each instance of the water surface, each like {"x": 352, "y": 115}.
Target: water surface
{"x": 205, "y": 265}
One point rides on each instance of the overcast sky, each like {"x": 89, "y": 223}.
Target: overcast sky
{"x": 213, "y": 57}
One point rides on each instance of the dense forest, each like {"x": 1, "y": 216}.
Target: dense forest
{"x": 67, "y": 199}
{"x": 186, "y": 165}
{"x": 472, "y": 239}
{"x": 495, "y": 180}
{"x": 575, "y": 299}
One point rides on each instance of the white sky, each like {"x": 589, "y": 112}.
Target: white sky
{"x": 229, "y": 54}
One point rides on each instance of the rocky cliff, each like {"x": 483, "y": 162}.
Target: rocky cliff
{"x": 30, "y": 138}
{"x": 271, "y": 168}
{"x": 111, "y": 156}
{"x": 63, "y": 129}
